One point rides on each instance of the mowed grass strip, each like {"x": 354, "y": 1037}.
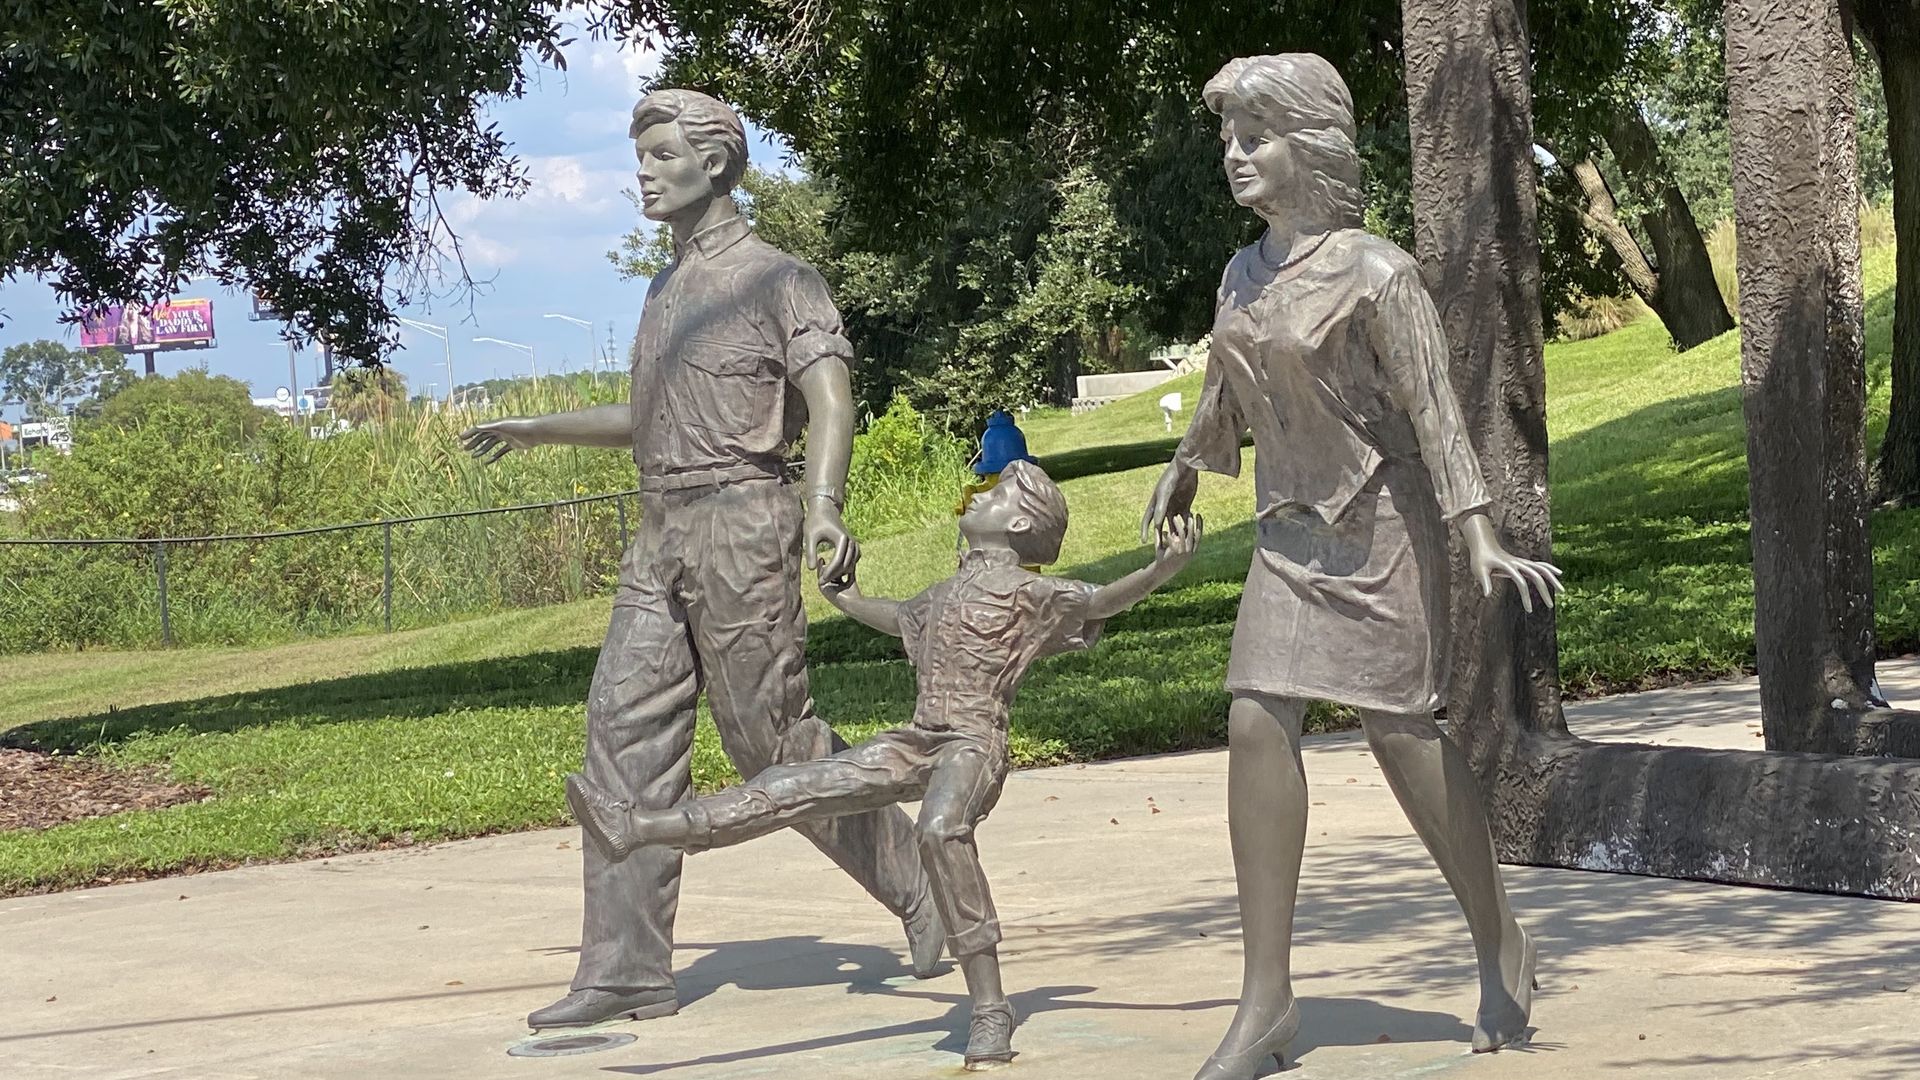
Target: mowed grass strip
{"x": 465, "y": 729}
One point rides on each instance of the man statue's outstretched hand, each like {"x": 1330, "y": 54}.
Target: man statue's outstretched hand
{"x": 1172, "y": 499}
{"x": 492, "y": 441}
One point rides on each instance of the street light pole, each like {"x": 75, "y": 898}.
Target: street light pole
{"x": 593, "y": 351}
{"x": 446, "y": 340}
{"x": 293, "y": 377}
{"x": 533, "y": 360}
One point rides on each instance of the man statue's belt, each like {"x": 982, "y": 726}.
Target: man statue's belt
{"x": 695, "y": 479}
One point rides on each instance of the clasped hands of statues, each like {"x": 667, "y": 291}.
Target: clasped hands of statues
{"x": 1172, "y": 501}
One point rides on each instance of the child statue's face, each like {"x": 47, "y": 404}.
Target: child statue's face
{"x": 992, "y": 514}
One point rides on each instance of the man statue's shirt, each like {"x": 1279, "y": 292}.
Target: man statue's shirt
{"x": 726, "y": 331}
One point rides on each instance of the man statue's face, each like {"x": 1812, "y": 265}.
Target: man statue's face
{"x": 674, "y": 178}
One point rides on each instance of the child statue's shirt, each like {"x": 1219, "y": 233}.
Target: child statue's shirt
{"x": 973, "y": 636}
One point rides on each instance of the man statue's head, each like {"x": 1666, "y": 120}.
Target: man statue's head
{"x": 692, "y": 150}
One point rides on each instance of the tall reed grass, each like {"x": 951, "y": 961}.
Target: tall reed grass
{"x": 1876, "y": 232}
{"x": 904, "y": 475}
{"x": 1590, "y": 316}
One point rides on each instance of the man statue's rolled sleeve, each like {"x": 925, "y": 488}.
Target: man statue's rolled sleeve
{"x": 810, "y": 323}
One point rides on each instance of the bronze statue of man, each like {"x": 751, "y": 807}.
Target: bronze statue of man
{"x": 739, "y": 343}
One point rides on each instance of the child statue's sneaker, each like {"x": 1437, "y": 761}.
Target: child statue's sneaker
{"x": 990, "y": 1036}
{"x": 603, "y": 817}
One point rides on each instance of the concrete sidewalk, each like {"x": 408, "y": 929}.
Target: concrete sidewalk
{"x": 1116, "y": 888}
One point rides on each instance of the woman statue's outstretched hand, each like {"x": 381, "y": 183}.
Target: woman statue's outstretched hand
{"x": 1172, "y": 498}
{"x": 1531, "y": 576}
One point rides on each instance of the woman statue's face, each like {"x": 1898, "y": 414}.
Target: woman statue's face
{"x": 1262, "y": 168}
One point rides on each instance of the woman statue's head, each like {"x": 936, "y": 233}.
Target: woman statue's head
{"x": 1287, "y": 122}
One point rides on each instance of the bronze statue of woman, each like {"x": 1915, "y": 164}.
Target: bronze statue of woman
{"x": 1327, "y": 346}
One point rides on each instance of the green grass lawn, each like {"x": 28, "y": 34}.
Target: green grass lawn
{"x": 464, "y": 729}
{"x": 1649, "y": 478}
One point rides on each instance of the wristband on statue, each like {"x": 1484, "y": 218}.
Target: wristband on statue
{"x": 839, "y": 501}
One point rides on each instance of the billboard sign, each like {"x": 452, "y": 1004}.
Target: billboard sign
{"x": 176, "y": 324}
{"x": 264, "y": 311}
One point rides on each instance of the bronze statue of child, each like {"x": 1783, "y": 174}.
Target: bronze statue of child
{"x": 971, "y": 639}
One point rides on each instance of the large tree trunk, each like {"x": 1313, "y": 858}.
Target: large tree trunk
{"x": 1600, "y": 214}
{"x": 1776, "y": 819}
{"x": 1892, "y": 28}
{"x": 1790, "y": 84}
{"x": 1690, "y": 303}
{"x": 1475, "y": 231}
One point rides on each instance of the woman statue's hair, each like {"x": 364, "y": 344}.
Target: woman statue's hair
{"x": 1300, "y": 97}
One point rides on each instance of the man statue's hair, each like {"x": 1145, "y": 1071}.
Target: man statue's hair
{"x": 710, "y": 127}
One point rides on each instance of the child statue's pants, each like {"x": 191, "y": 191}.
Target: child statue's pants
{"x": 955, "y": 774}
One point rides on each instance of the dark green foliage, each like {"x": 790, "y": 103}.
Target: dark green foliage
{"x": 221, "y": 403}
{"x": 1684, "y": 97}
{"x": 1022, "y": 193}
{"x": 1876, "y": 156}
{"x": 298, "y": 152}
{"x": 1686, "y": 101}
{"x": 1015, "y": 301}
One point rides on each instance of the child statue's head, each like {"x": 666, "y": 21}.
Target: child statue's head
{"x": 1024, "y": 510}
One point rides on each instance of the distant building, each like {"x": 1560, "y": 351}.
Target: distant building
{"x": 1093, "y": 391}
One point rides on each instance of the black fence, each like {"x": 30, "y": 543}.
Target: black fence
{"x": 250, "y": 587}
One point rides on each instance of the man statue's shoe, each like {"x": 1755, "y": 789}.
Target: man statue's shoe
{"x": 592, "y": 1006}
{"x": 990, "y": 1037}
{"x": 926, "y": 938}
{"x": 602, "y": 816}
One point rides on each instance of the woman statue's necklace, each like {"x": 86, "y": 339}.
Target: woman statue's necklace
{"x": 1293, "y": 258}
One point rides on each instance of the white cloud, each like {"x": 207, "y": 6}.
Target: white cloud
{"x": 483, "y": 251}
{"x": 598, "y": 125}
{"x": 618, "y": 64}
{"x": 572, "y": 202}
{"x": 567, "y": 180}
{"x": 573, "y": 185}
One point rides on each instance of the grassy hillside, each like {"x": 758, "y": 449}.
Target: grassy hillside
{"x": 464, "y": 729}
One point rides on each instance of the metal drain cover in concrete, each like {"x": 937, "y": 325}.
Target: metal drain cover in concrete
{"x": 569, "y": 1045}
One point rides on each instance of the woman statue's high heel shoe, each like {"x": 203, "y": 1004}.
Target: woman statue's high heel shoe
{"x": 1245, "y": 1064}
{"x": 1508, "y": 1026}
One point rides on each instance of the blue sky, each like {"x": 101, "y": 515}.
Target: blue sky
{"x": 544, "y": 252}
